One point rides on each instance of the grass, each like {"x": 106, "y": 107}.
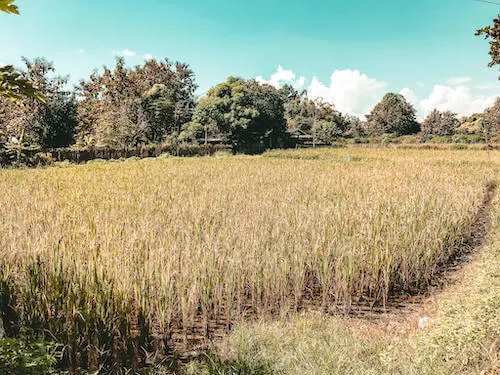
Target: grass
{"x": 463, "y": 339}
{"x": 114, "y": 259}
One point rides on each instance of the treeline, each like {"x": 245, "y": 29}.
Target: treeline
{"x": 155, "y": 104}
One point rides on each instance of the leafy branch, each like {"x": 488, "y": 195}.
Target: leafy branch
{"x": 8, "y": 7}
{"x": 492, "y": 33}
{"x": 12, "y": 84}
{"x": 15, "y": 87}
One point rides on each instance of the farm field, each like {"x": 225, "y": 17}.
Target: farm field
{"x": 110, "y": 257}
{"x": 460, "y": 336}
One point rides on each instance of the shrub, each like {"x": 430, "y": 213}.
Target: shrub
{"x": 19, "y": 357}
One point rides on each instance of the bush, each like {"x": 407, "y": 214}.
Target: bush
{"x": 18, "y": 357}
{"x": 467, "y": 138}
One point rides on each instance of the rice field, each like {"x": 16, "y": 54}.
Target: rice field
{"x": 117, "y": 260}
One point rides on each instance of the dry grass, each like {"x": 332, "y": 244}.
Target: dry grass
{"x": 464, "y": 337}
{"x": 108, "y": 255}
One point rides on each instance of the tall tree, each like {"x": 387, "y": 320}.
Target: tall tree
{"x": 393, "y": 115}
{"x": 245, "y": 112}
{"x": 46, "y": 124}
{"x": 329, "y": 124}
{"x": 126, "y": 106}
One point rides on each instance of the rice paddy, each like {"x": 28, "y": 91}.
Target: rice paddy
{"x": 109, "y": 258}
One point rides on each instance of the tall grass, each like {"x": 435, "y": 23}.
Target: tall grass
{"x": 112, "y": 257}
{"x": 462, "y": 339}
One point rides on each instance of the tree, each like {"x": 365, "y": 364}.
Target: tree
{"x": 329, "y": 124}
{"x": 393, "y": 115}
{"x": 493, "y": 33}
{"x": 150, "y": 101}
{"x": 204, "y": 123}
{"x": 491, "y": 122}
{"x": 439, "y": 123}
{"x": 31, "y": 122}
{"x": 301, "y": 115}
{"x": 356, "y": 127}
{"x": 55, "y": 123}
{"x": 158, "y": 113}
{"x": 245, "y": 112}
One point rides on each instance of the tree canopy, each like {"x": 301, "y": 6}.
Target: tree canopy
{"x": 439, "y": 123}
{"x": 244, "y": 111}
{"x": 393, "y": 115}
{"x": 47, "y": 124}
{"x": 125, "y": 106}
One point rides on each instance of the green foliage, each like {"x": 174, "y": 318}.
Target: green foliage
{"x": 470, "y": 124}
{"x": 393, "y": 115}
{"x": 115, "y": 131}
{"x": 151, "y": 101}
{"x": 439, "y": 123}
{"x": 19, "y": 357}
{"x": 491, "y": 124}
{"x": 8, "y": 6}
{"x": 492, "y": 33}
{"x": 35, "y": 123}
{"x": 300, "y": 112}
{"x": 244, "y": 364}
{"x": 245, "y": 112}
{"x": 15, "y": 87}
{"x": 12, "y": 84}
{"x": 158, "y": 113}
{"x": 56, "y": 122}
{"x": 329, "y": 124}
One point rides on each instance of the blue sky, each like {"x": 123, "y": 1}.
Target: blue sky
{"x": 348, "y": 52}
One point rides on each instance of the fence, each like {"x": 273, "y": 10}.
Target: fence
{"x": 33, "y": 157}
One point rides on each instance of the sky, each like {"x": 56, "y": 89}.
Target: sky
{"x": 349, "y": 53}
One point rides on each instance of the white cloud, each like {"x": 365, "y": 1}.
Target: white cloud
{"x": 282, "y": 77}
{"x": 457, "y": 81}
{"x": 460, "y": 100}
{"x": 349, "y": 91}
{"x": 80, "y": 50}
{"x": 353, "y": 92}
{"x": 125, "y": 53}
{"x": 410, "y": 95}
{"x": 299, "y": 83}
{"x": 486, "y": 86}
{"x": 148, "y": 56}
